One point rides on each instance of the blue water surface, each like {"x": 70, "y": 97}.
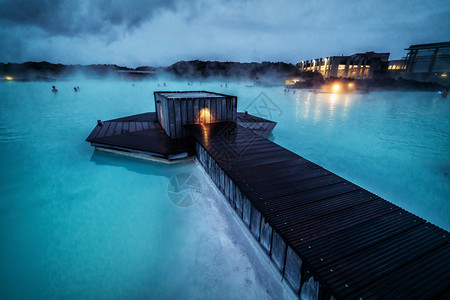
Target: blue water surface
{"x": 81, "y": 224}
{"x": 78, "y": 223}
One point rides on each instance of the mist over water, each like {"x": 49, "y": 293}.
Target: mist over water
{"x": 75, "y": 223}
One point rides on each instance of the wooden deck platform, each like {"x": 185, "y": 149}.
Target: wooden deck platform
{"x": 329, "y": 237}
{"x": 143, "y": 134}
{"x": 139, "y": 134}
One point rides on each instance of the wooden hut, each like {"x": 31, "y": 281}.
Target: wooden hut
{"x": 176, "y": 109}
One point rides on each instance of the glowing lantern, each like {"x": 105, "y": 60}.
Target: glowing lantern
{"x": 205, "y": 116}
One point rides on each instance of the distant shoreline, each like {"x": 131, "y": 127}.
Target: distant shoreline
{"x": 263, "y": 74}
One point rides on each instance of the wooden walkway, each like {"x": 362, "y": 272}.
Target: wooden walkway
{"x": 329, "y": 237}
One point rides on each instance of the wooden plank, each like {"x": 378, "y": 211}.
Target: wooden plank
{"x": 190, "y": 111}
{"x": 229, "y": 111}
{"x": 208, "y": 108}
{"x": 184, "y": 118}
{"x": 213, "y": 108}
{"x": 201, "y": 106}
{"x": 103, "y": 130}
{"x": 118, "y": 128}
{"x": 111, "y": 129}
{"x": 234, "y": 109}
{"x": 125, "y": 127}
{"x": 219, "y": 110}
{"x": 223, "y": 108}
{"x": 158, "y": 106}
{"x": 132, "y": 126}
{"x": 178, "y": 124}
{"x": 166, "y": 116}
{"x": 196, "y": 111}
{"x": 172, "y": 122}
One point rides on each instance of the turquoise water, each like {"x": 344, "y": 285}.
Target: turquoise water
{"x": 80, "y": 224}
{"x": 76, "y": 223}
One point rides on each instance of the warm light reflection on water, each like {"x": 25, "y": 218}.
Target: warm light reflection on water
{"x": 309, "y": 105}
{"x": 333, "y": 99}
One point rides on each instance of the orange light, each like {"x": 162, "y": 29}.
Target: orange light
{"x": 9, "y": 78}
{"x": 205, "y": 116}
{"x": 336, "y": 87}
{"x": 291, "y": 81}
{"x": 161, "y": 116}
{"x": 205, "y": 135}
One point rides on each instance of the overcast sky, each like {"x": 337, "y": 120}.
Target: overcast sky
{"x": 158, "y": 33}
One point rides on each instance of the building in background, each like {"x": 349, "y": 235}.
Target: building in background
{"x": 428, "y": 62}
{"x": 398, "y": 64}
{"x": 396, "y": 69}
{"x": 357, "y": 66}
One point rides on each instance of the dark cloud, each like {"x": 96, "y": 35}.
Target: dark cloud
{"x": 68, "y": 17}
{"x": 137, "y": 32}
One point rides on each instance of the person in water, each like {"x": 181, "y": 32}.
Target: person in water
{"x": 444, "y": 93}
{"x": 75, "y": 89}
{"x": 54, "y": 90}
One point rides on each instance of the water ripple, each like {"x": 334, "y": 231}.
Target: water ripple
{"x": 9, "y": 134}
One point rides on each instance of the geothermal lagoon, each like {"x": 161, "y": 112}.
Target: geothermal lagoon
{"x": 79, "y": 223}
